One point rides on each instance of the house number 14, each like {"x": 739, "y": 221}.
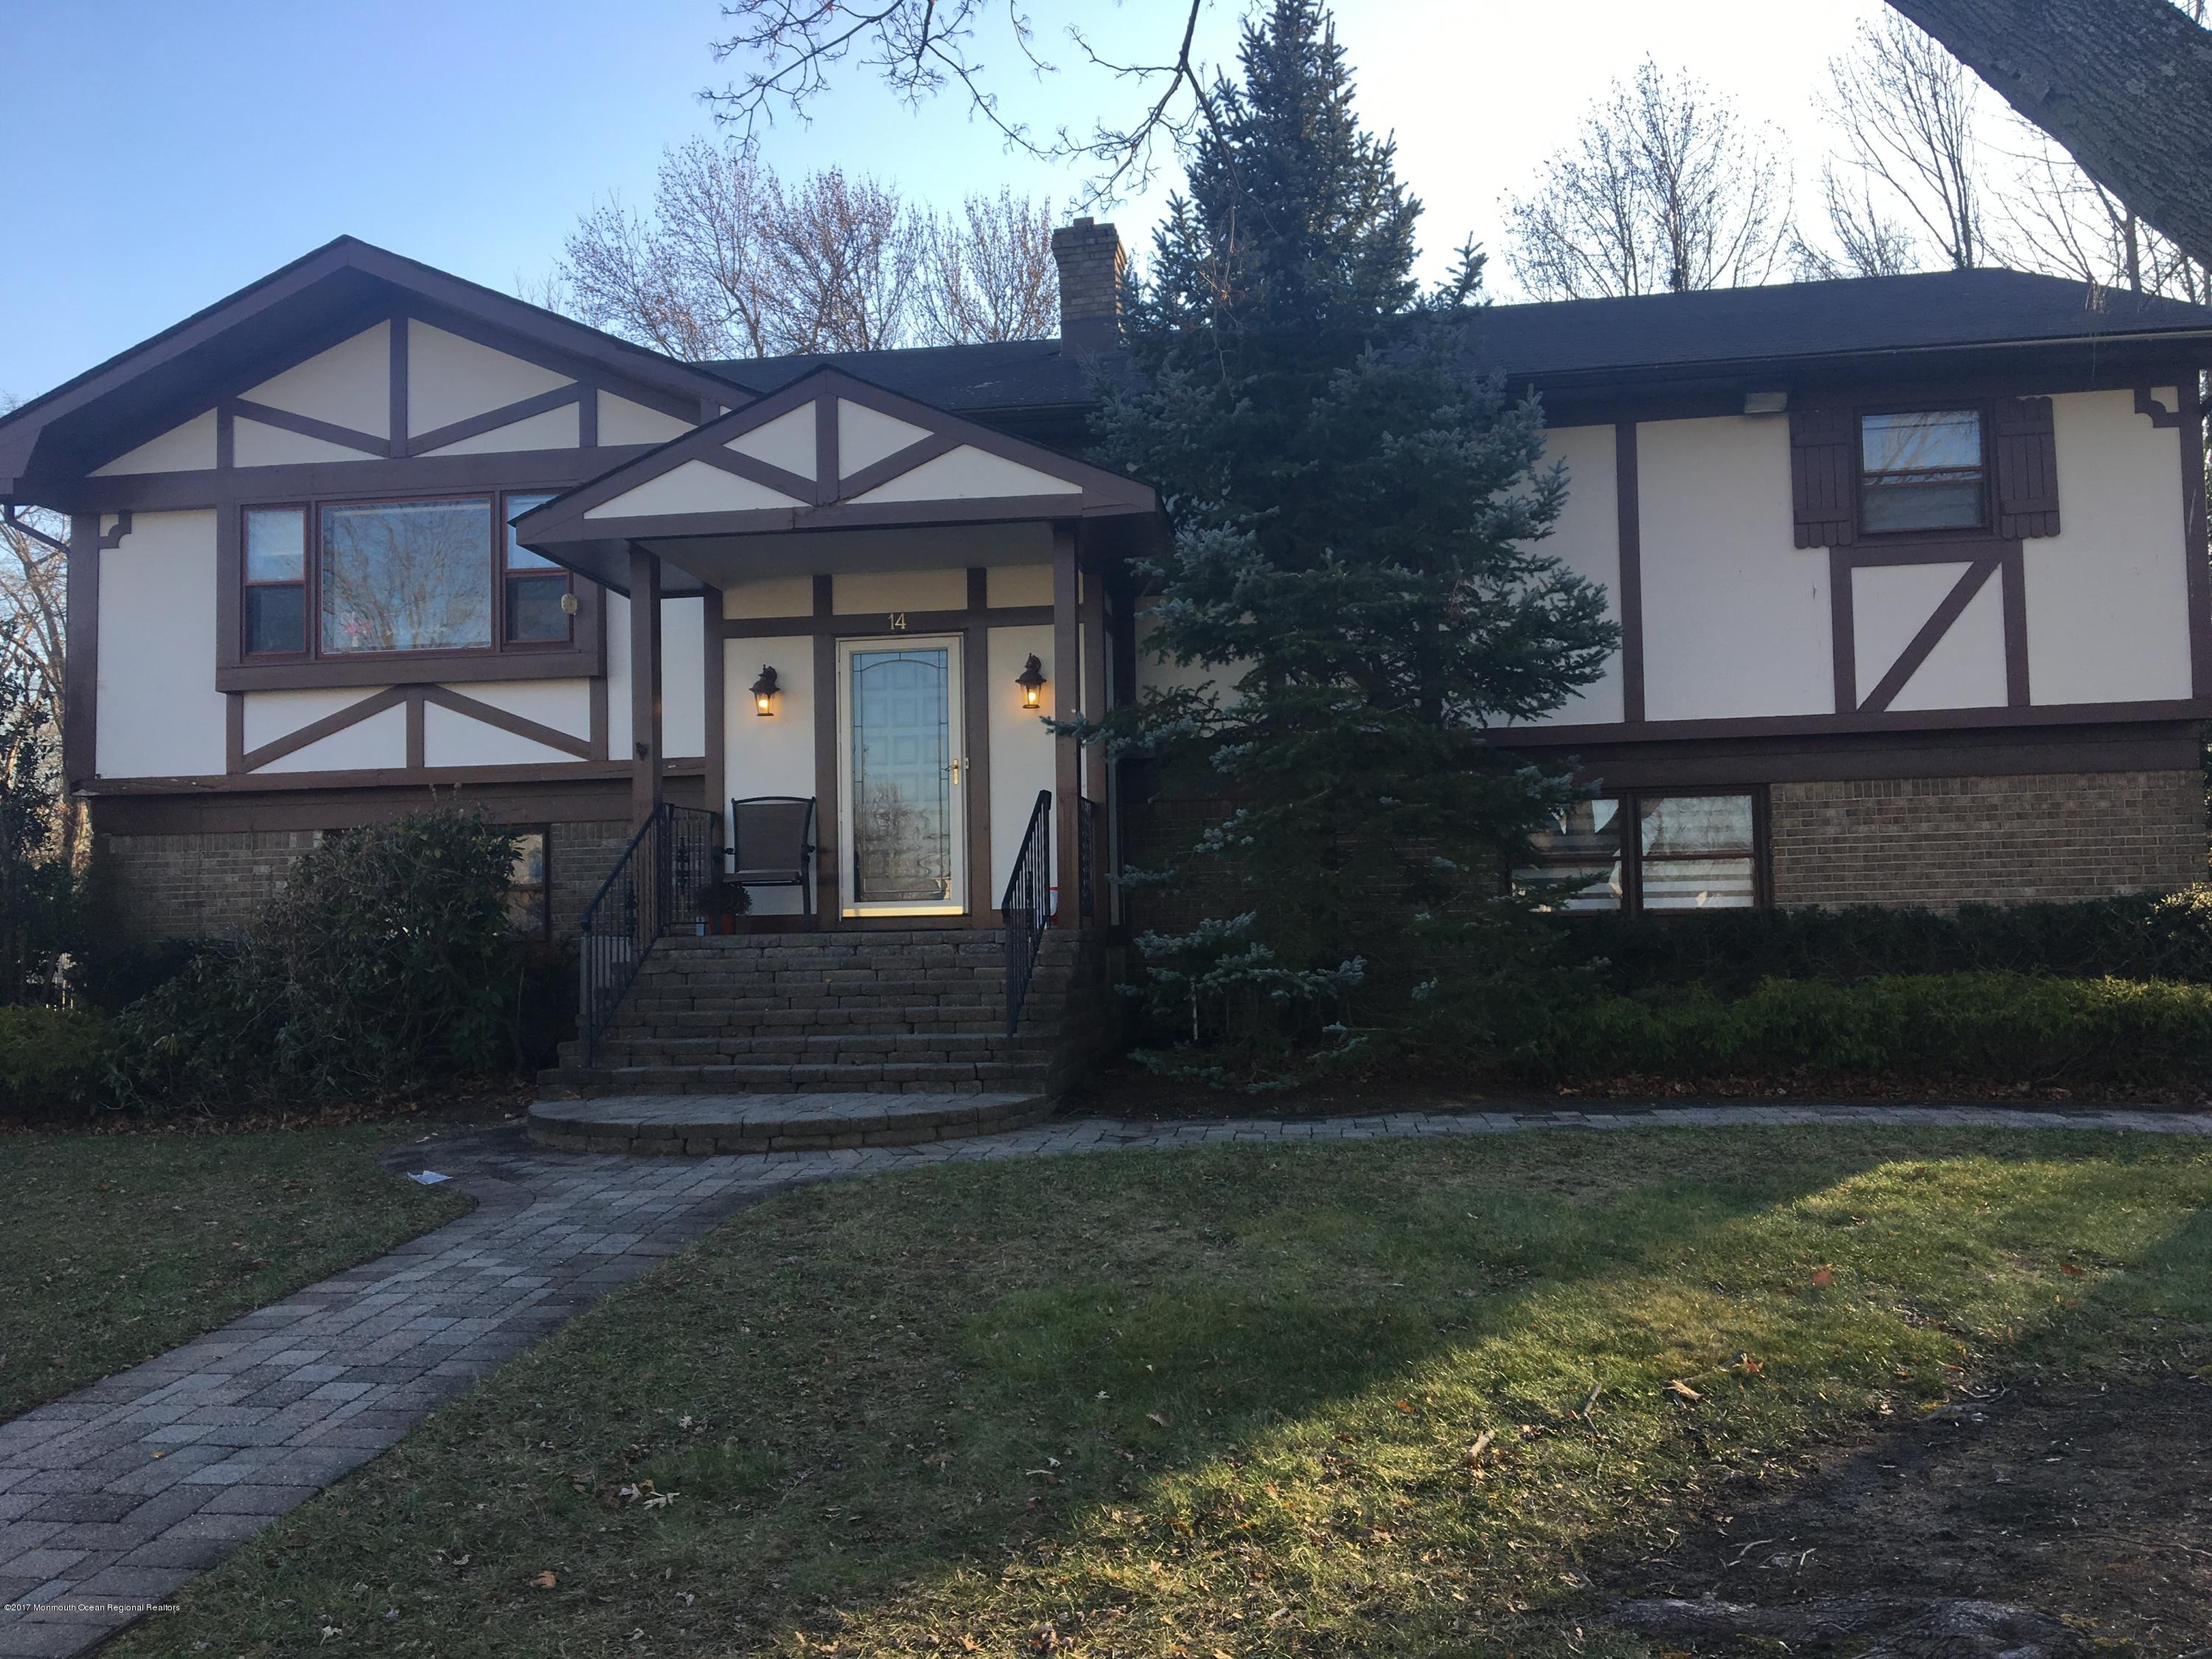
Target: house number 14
{"x": 898, "y": 622}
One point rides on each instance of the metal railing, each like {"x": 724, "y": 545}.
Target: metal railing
{"x": 1086, "y": 854}
{"x": 1026, "y": 907}
{"x": 650, "y": 889}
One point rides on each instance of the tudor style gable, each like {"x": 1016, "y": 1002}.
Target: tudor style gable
{"x": 828, "y": 452}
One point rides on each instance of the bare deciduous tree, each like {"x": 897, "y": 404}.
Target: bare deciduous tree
{"x": 789, "y": 49}
{"x": 2124, "y": 85}
{"x": 1665, "y": 189}
{"x": 841, "y": 257}
{"x": 34, "y": 631}
{"x": 732, "y": 262}
{"x": 1867, "y": 242}
{"x": 1907, "y": 113}
{"x": 990, "y": 273}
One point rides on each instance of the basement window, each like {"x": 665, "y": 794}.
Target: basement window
{"x": 1651, "y": 851}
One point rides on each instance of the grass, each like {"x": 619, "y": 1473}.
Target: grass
{"x": 120, "y": 1247}
{"x": 1223, "y": 1401}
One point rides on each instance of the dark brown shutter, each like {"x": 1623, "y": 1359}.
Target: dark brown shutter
{"x": 1823, "y": 475}
{"x": 2027, "y": 469}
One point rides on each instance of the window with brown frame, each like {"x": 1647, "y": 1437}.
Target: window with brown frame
{"x": 529, "y": 891}
{"x": 1922, "y": 470}
{"x": 437, "y": 574}
{"x": 1654, "y": 852}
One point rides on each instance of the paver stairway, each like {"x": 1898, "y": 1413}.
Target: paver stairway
{"x": 905, "y": 1012}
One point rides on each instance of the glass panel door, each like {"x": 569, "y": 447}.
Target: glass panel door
{"x": 903, "y": 806}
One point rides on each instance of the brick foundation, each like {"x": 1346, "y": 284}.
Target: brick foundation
{"x": 211, "y": 885}
{"x": 1945, "y": 841}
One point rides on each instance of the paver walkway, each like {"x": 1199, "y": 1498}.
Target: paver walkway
{"x": 112, "y": 1498}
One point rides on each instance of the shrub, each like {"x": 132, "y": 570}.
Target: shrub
{"x": 385, "y": 963}
{"x": 2151, "y": 936}
{"x": 51, "y": 1061}
{"x": 1984, "y": 1026}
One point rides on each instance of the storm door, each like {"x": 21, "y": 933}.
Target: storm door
{"x": 903, "y": 759}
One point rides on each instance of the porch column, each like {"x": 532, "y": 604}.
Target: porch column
{"x": 1095, "y": 704}
{"x": 1066, "y": 700}
{"x": 646, "y": 785}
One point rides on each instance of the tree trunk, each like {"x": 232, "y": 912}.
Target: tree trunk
{"x": 2125, "y": 85}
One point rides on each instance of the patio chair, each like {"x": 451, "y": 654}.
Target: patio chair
{"x": 772, "y": 845}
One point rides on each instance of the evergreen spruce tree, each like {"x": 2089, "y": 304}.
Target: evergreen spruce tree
{"x": 1356, "y": 574}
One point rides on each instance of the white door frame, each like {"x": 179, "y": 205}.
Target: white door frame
{"x": 956, "y": 736}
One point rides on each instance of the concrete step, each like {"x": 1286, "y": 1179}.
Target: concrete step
{"x": 626, "y": 1047}
{"x": 701, "y": 1125}
{"x": 683, "y": 1019}
{"x": 944, "y": 1076}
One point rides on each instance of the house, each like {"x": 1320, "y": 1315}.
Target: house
{"x": 1910, "y": 573}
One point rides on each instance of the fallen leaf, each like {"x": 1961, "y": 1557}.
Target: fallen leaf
{"x": 1823, "y": 1279}
{"x": 1682, "y": 1390}
{"x": 546, "y": 1580}
{"x": 1156, "y": 1417}
{"x": 2071, "y": 1271}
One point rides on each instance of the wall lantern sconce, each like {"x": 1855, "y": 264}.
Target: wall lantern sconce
{"x": 764, "y": 691}
{"x": 1032, "y": 680}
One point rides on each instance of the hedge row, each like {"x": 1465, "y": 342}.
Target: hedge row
{"x": 2150, "y": 937}
{"x": 2008, "y": 1028}
{"x": 51, "y": 1061}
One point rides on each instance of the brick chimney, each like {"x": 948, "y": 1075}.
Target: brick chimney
{"x": 1090, "y": 261}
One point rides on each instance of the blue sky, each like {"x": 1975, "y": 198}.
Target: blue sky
{"x": 167, "y": 154}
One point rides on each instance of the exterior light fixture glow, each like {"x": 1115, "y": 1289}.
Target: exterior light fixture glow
{"x": 1032, "y": 682}
{"x": 764, "y": 691}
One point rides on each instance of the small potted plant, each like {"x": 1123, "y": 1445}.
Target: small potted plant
{"x": 719, "y": 904}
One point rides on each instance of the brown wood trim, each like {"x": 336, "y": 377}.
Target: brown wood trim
{"x": 315, "y": 731}
{"x": 81, "y": 651}
{"x": 2160, "y": 415}
{"x": 828, "y": 455}
{"x": 234, "y": 731}
{"x": 1629, "y": 590}
{"x": 413, "y": 668}
{"x": 1912, "y": 720}
{"x": 1096, "y": 779}
{"x": 2013, "y": 597}
{"x": 587, "y": 418}
{"x": 1726, "y": 762}
{"x": 535, "y": 470}
{"x": 599, "y": 717}
{"x": 417, "y": 743}
{"x": 830, "y": 852}
{"x": 600, "y": 372}
{"x": 864, "y": 622}
{"x": 645, "y": 684}
{"x": 1922, "y": 643}
{"x": 59, "y": 544}
{"x": 617, "y": 772}
{"x": 226, "y": 439}
{"x": 714, "y": 661}
{"x": 512, "y": 801}
{"x": 1843, "y": 629}
{"x": 1066, "y": 700}
{"x": 492, "y": 419}
{"x": 975, "y": 692}
{"x": 504, "y": 720}
{"x": 1961, "y": 549}
{"x": 766, "y": 474}
{"x": 898, "y": 464}
{"x": 112, "y": 539}
{"x": 2191, "y": 432}
{"x": 306, "y": 426}
{"x": 396, "y": 448}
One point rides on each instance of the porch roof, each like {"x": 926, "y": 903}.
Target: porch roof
{"x": 828, "y": 452}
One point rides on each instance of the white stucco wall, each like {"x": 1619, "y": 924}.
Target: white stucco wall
{"x": 160, "y": 714}
{"x": 376, "y": 744}
{"x": 1587, "y": 540}
{"x": 564, "y": 705}
{"x": 622, "y": 422}
{"x": 859, "y": 593}
{"x": 186, "y": 448}
{"x": 1736, "y": 617}
{"x": 2107, "y": 597}
{"x": 551, "y": 428}
{"x": 349, "y": 384}
{"x": 450, "y": 379}
{"x": 273, "y": 714}
{"x": 1966, "y": 669}
{"x": 1018, "y": 584}
{"x": 254, "y": 444}
{"x": 1021, "y": 748}
{"x": 455, "y": 739}
{"x": 770, "y": 596}
{"x": 683, "y": 678}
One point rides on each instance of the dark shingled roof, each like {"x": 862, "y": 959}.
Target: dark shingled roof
{"x": 1578, "y": 338}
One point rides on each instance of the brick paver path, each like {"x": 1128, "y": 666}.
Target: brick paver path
{"x": 112, "y": 1498}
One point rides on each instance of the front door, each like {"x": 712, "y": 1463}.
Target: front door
{"x": 903, "y": 760}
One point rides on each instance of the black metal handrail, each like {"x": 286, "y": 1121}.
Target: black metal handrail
{"x": 1026, "y": 907}
{"x": 674, "y": 854}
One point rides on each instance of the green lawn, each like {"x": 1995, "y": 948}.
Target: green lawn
{"x": 119, "y": 1247}
{"x": 1223, "y": 1401}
